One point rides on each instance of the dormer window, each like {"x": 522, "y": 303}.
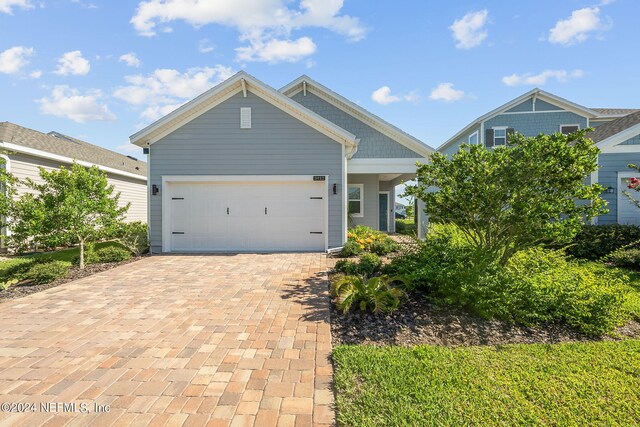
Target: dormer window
{"x": 567, "y": 129}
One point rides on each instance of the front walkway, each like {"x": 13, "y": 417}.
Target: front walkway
{"x": 235, "y": 340}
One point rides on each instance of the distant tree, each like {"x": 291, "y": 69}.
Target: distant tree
{"x": 73, "y": 205}
{"x": 510, "y": 198}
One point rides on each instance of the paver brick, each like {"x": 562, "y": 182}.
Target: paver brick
{"x": 177, "y": 340}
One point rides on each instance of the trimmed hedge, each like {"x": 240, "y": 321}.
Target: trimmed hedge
{"x": 47, "y": 272}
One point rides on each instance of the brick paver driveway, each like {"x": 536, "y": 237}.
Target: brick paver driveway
{"x": 174, "y": 340}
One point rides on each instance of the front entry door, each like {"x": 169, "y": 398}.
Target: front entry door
{"x": 383, "y": 215}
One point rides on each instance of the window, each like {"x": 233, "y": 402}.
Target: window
{"x": 473, "y": 138}
{"x": 567, "y": 129}
{"x": 356, "y": 197}
{"x": 245, "y": 118}
{"x": 500, "y": 136}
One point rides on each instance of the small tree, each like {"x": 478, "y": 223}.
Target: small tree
{"x": 7, "y": 192}
{"x": 72, "y": 206}
{"x": 511, "y": 198}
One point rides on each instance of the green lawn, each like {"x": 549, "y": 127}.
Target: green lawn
{"x": 574, "y": 384}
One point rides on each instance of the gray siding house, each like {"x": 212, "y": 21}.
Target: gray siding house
{"x": 247, "y": 168}
{"x": 26, "y": 150}
{"x": 617, "y": 134}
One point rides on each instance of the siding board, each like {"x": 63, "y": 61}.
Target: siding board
{"x": 277, "y": 144}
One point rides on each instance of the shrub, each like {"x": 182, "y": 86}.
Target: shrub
{"x": 15, "y": 268}
{"x": 47, "y": 272}
{"x": 369, "y": 264}
{"x": 535, "y": 286}
{"x": 625, "y": 258}
{"x": 347, "y": 267}
{"x": 375, "y": 294}
{"x": 406, "y": 227}
{"x": 133, "y": 236}
{"x": 112, "y": 254}
{"x": 596, "y": 241}
{"x": 350, "y": 249}
{"x": 370, "y": 240}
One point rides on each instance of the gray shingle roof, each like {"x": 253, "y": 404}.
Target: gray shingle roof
{"x": 611, "y": 128}
{"x": 615, "y": 111}
{"x": 63, "y": 145}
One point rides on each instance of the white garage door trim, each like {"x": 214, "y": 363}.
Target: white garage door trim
{"x": 622, "y": 199}
{"x": 166, "y": 205}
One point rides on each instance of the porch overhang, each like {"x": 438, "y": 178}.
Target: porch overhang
{"x": 384, "y": 166}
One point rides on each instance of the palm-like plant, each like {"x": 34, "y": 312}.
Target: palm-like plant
{"x": 376, "y": 294}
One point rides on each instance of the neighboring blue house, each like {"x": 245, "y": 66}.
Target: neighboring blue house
{"x": 617, "y": 135}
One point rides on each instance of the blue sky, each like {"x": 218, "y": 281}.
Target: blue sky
{"x": 100, "y": 70}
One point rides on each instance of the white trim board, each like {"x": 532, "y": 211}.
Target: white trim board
{"x": 305, "y": 83}
{"x": 612, "y": 144}
{"x": 620, "y": 197}
{"x": 168, "y": 179}
{"x": 226, "y": 90}
{"x": 63, "y": 159}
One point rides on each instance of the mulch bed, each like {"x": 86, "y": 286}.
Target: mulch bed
{"x": 419, "y": 321}
{"x": 21, "y": 290}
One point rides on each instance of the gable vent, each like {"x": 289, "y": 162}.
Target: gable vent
{"x": 245, "y": 118}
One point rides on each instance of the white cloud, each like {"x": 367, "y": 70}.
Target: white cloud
{"x": 6, "y": 6}
{"x": 577, "y": 27}
{"x": 130, "y": 59}
{"x": 274, "y": 51}
{"x": 469, "y": 31}
{"x": 265, "y": 24}
{"x": 14, "y": 59}
{"x": 540, "y": 79}
{"x": 205, "y": 46}
{"x": 383, "y": 96}
{"x": 164, "y": 90}
{"x": 35, "y": 74}
{"x": 73, "y": 63}
{"x": 75, "y": 105}
{"x": 446, "y": 92}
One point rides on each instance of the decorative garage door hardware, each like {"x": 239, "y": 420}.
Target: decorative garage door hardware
{"x": 315, "y": 198}
{"x": 178, "y": 232}
{"x": 177, "y": 198}
{"x": 315, "y": 232}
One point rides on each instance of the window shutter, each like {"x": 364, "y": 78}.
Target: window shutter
{"x": 488, "y": 137}
{"x": 245, "y": 118}
{"x": 510, "y": 132}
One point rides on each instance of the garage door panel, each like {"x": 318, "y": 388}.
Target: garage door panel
{"x": 231, "y": 216}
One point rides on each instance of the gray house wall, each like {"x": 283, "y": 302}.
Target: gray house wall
{"x": 464, "y": 139}
{"x": 277, "y": 144}
{"x": 610, "y": 165}
{"x": 534, "y": 124}
{"x": 373, "y": 144}
{"x": 371, "y": 189}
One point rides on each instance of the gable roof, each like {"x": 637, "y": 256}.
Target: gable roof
{"x": 615, "y": 111}
{"x": 21, "y": 139}
{"x": 240, "y": 82}
{"x": 614, "y": 127}
{"x": 304, "y": 82}
{"x": 538, "y": 94}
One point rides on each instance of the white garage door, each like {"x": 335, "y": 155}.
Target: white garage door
{"x": 628, "y": 213}
{"x": 238, "y": 216}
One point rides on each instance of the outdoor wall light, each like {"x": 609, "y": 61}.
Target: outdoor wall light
{"x": 335, "y": 188}
{"x": 154, "y": 190}
{"x": 609, "y": 190}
